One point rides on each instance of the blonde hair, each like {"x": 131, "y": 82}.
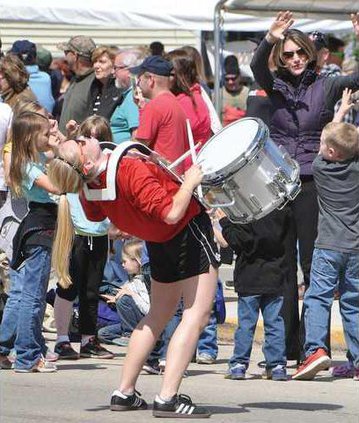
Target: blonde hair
{"x": 110, "y": 51}
{"x": 133, "y": 250}
{"x": 342, "y": 137}
{"x": 25, "y": 131}
{"x": 64, "y": 176}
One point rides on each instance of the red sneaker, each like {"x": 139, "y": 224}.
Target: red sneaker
{"x": 312, "y": 365}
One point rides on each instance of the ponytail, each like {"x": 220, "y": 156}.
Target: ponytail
{"x": 62, "y": 246}
{"x": 64, "y": 176}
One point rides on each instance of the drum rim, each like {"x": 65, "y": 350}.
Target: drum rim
{"x": 231, "y": 168}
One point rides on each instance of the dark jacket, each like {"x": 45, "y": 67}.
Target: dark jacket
{"x": 260, "y": 247}
{"x": 302, "y": 106}
{"x": 37, "y": 228}
{"x": 76, "y": 100}
{"x": 109, "y": 98}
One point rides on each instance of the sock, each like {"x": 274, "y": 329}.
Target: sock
{"x": 162, "y": 400}
{"x": 85, "y": 339}
{"x": 118, "y": 393}
{"x": 62, "y": 338}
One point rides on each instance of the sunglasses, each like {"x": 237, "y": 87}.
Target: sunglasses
{"x": 339, "y": 54}
{"x": 290, "y": 54}
{"x": 231, "y": 78}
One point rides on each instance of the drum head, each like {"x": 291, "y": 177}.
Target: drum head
{"x": 231, "y": 144}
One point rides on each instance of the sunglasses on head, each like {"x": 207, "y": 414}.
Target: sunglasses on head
{"x": 290, "y": 54}
{"x": 339, "y": 54}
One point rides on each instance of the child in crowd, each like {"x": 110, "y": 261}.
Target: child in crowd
{"x": 336, "y": 253}
{"x": 31, "y": 262}
{"x": 132, "y": 299}
{"x": 259, "y": 275}
{"x": 87, "y": 262}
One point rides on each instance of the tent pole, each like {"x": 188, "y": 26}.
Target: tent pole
{"x": 218, "y": 23}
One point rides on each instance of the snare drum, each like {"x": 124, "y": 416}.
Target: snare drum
{"x": 245, "y": 173}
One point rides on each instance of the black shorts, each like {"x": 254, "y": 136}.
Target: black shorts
{"x": 189, "y": 253}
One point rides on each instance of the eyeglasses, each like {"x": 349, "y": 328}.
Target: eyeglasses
{"x": 231, "y": 78}
{"x": 81, "y": 142}
{"x": 290, "y": 54}
{"x": 120, "y": 67}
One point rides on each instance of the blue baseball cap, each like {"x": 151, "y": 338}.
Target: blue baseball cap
{"x": 24, "y": 47}
{"x": 153, "y": 64}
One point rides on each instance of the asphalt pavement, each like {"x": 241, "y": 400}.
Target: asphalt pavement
{"x": 80, "y": 392}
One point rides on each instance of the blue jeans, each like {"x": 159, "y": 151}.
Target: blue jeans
{"x": 207, "y": 342}
{"x": 130, "y": 316}
{"x": 329, "y": 267}
{"x": 24, "y": 311}
{"x": 274, "y": 334}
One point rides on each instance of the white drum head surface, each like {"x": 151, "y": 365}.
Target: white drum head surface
{"x": 228, "y": 145}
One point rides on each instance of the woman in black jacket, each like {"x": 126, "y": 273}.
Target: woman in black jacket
{"x": 104, "y": 95}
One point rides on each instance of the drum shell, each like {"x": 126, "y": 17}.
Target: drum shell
{"x": 264, "y": 182}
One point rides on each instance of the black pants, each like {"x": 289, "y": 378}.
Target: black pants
{"x": 88, "y": 259}
{"x": 303, "y": 213}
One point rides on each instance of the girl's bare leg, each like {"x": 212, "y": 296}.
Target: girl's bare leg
{"x": 164, "y": 300}
{"x": 198, "y": 295}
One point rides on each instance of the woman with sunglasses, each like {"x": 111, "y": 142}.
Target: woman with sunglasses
{"x": 303, "y": 103}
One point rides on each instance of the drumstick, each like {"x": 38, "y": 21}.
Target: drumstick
{"x": 181, "y": 158}
{"x": 193, "y": 153}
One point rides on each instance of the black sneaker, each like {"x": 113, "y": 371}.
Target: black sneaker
{"x": 65, "y": 351}
{"x": 121, "y": 402}
{"x": 152, "y": 367}
{"x": 180, "y": 406}
{"x": 93, "y": 349}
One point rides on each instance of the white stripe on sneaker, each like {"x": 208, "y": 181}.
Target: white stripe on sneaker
{"x": 191, "y": 410}
{"x": 185, "y": 409}
{"x": 179, "y": 409}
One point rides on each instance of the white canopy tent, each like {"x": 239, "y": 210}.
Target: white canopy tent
{"x": 322, "y": 15}
{"x": 159, "y": 14}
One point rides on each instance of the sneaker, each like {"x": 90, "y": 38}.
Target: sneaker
{"x": 93, "y": 349}
{"x": 162, "y": 366}
{"x": 65, "y": 351}
{"x": 121, "y": 402}
{"x": 356, "y": 375}
{"x": 344, "y": 370}
{"x": 42, "y": 366}
{"x": 51, "y": 356}
{"x": 312, "y": 365}
{"x": 180, "y": 406}
{"x": 205, "y": 359}
{"x": 151, "y": 367}
{"x": 237, "y": 372}
{"x": 276, "y": 373}
{"x": 5, "y": 363}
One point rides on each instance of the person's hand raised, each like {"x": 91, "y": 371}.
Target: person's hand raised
{"x": 281, "y": 23}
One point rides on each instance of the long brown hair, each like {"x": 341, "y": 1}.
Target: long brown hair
{"x": 14, "y": 72}
{"x": 25, "y": 130}
{"x": 185, "y": 70}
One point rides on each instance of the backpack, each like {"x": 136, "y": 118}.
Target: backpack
{"x": 11, "y": 215}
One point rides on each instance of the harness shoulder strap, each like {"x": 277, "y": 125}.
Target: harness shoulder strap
{"x": 109, "y": 193}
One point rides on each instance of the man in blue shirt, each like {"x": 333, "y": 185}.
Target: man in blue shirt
{"x": 39, "y": 82}
{"x": 125, "y": 118}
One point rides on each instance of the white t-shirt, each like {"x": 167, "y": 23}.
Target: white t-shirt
{"x": 5, "y": 122}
